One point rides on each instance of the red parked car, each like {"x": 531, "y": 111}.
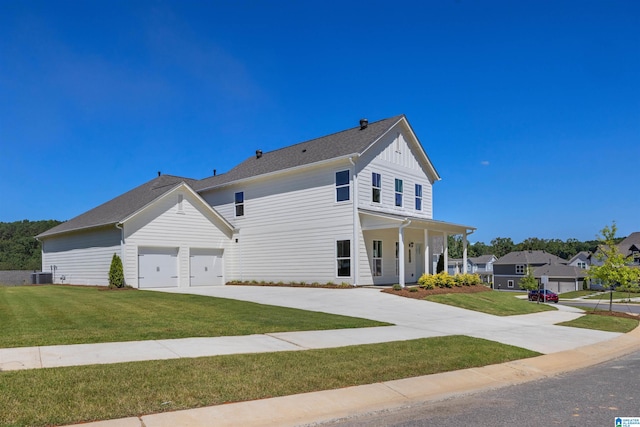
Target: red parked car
{"x": 547, "y": 296}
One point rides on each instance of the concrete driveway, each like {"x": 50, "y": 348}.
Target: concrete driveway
{"x": 412, "y": 318}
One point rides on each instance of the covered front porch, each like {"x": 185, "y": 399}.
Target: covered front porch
{"x": 400, "y": 249}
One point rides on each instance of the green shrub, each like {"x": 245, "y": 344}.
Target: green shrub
{"x": 397, "y": 287}
{"x": 427, "y": 281}
{"x": 413, "y": 289}
{"x": 469, "y": 279}
{"x": 116, "y": 274}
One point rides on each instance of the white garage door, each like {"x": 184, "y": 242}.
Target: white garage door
{"x": 157, "y": 267}
{"x": 206, "y": 267}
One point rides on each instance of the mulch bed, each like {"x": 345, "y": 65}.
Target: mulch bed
{"x": 420, "y": 293}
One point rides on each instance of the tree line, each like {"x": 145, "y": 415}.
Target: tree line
{"x": 501, "y": 246}
{"x": 19, "y": 250}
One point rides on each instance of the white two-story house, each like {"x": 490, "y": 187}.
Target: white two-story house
{"x": 352, "y": 207}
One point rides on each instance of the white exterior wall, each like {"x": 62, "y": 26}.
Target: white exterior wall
{"x": 290, "y": 226}
{"x": 83, "y": 258}
{"x": 164, "y": 225}
{"x": 393, "y": 157}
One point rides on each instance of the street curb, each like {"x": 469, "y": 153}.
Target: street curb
{"x": 322, "y": 406}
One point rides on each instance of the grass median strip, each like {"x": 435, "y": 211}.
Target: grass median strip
{"x": 85, "y": 393}
{"x": 603, "y": 323}
{"x": 51, "y": 315}
{"x": 496, "y": 303}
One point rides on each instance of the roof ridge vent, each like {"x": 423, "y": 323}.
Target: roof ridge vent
{"x": 258, "y": 154}
{"x": 364, "y": 123}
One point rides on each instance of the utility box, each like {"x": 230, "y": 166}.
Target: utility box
{"x": 41, "y": 278}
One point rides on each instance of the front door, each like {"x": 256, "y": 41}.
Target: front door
{"x": 419, "y": 261}
{"x": 410, "y": 266}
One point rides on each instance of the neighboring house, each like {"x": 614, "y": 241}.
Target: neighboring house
{"x": 509, "y": 269}
{"x": 354, "y": 207}
{"x": 456, "y": 266}
{"x": 629, "y": 247}
{"x": 561, "y": 278}
{"x": 581, "y": 260}
{"x": 483, "y": 266}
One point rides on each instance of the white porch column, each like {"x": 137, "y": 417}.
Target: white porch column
{"x": 401, "y": 252}
{"x": 427, "y": 262}
{"x": 464, "y": 253}
{"x": 445, "y": 246}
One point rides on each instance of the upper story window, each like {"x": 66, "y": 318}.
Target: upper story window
{"x": 520, "y": 269}
{"x": 342, "y": 186}
{"x": 239, "y": 202}
{"x": 418, "y": 197}
{"x": 398, "y": 192}
{"x": 582, "y": 264}
{"x": 376, "y": 187}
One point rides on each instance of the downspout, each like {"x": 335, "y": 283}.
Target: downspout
{"x": 356, "y": 239}
{"x": 404, "y": 224}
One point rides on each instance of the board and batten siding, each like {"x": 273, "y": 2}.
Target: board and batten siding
{"x": 392, "y": 157}
{"x": 165, "y": 225}
{"x": 290, "y": 225}
{"x": 82, "y": 258}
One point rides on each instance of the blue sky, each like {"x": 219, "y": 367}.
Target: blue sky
{"x": 529, "y": 110}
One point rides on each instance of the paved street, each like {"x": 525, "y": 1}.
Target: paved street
{"x": 589, "y": 397}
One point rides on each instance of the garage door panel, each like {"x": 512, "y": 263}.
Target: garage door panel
{"x": 157, "y": 267}
{"x": 206, "y": 267}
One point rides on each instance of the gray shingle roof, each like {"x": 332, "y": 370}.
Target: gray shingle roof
{"x": 340, "y": 144}
{"x": 336, "y": 145}
{"x": 530, "y": 258}
{"x": 482, "y": 259}
{"x": 629, "y": 242}
{"x": 581, "y": 254}
{"x": 121, "y": 207}
{"x": 558, "y": 270}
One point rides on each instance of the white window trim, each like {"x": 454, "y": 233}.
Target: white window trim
{"x": 347, "y": 185}
{"x": 377, "y": 258}
{"x": 338, "y": 258}
{"x": 236, "y": 204}
{"x": 418, "y": 198}
{"x": 396, "y": 192}
{"x": 509, "y": 283}
{"x": 522, "y": 268}
{"x": 374, "y": 187}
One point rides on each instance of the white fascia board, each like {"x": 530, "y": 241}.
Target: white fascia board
{"x": 282, "y": 171}
{"x": 429, "y": 224}
{"x": 184, "y": 186}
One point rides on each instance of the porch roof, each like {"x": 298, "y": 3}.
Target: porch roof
{"x": 373, "y": 220}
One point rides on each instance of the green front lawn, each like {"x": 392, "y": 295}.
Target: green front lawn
{"x": 616, "y": 295}
{"x": 49, "y": 315}
{"x": 603, "y": 323}
{"x": 575, "y": 294}
{"x": 71, "y": 395}
{"x": 496, "y": 303}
